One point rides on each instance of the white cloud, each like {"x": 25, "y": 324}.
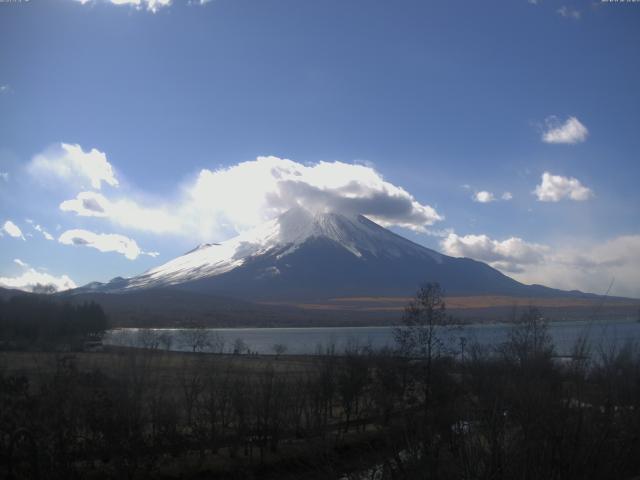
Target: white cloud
{"x": 19, "y": 262}
{"x": 104, "y": 242}
{"x": 570, "y": 132}
{"x": 508, "y": 255}
{"x": 589, "y": 267}
{"x": 222, "y": 202}
{"x": 250, "y": 191}
{"x": 12, "y": 230}
{"x": 484, "y": 197}
{"x": 32, "y": 280}
{"x": 44, "y": 233}
{"x": 39, "y": 228}
{"x": 441, "y": 232}
{"x": 4, "y": 89}
{"x": 150, "y": 5}
{"x": 124, "y": 212}
{"x": 554, "y": 188}
{"x": 568, "y": 12}
{"x": 87, "y": 204}
{"x": 4, "y": 176}
{"x": 71, "y": 163}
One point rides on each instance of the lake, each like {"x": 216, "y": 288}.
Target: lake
{"x": 304, "y": 341}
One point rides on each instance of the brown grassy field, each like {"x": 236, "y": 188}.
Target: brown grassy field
{"x": 397, "y": 304}
{"x": 166, "y": 364}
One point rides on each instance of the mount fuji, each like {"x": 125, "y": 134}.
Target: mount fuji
{"x": 302, "y": 255}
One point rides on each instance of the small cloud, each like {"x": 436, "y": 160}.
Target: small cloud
{"x": 507, "y": 255}
{"x": 4, "y": 176}
{"x": 104, "y": 242}
{"x": 4, "y": 89}
{"x": 570, "y": 132}
{"x": 40, "y": 229}
{"x": 19, "y": 262}
{"x": 150, "y": 5}
{"x": 12, "y": 230}
{"x": 568, "y": 12}
{"x": 71, "y": 162}
{"x": 36, "y": 281}
{"x": 484, "y": 197}
{"x": 87, "y": 204}
{"x": 442, "y": 232}
{"x": 554, "y": 188}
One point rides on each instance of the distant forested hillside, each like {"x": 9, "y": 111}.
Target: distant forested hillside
{"x": 29, "y": 320}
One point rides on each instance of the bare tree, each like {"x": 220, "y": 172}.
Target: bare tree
{"x": 148, "y": 338}
{"x": 529, "y": 339}
{"x": 216, "y": 342}
{"x": 239, "y": 347}
{"x": 279, "y": 349}
{"x": 196, "y": 338}
{"x": 166, "y": 340}
{"x": 352, "y": 380}
{"x": 418, "y": 336}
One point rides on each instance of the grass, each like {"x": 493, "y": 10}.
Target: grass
{"x": 165, "y": 363}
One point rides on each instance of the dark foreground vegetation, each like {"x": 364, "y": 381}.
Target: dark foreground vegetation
{"x": 417, "y": 412}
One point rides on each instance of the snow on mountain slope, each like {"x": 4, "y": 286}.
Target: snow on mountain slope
{"x": 309, "y": 256}
{"x": 281, "y": 237}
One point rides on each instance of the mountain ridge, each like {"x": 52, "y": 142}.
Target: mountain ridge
{"x": 306, "y": 255}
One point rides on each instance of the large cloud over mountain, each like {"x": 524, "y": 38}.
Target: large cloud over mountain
{"x": 220, "y": 202}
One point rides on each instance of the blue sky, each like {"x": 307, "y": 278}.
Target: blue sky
{"x": 433, "y": 102}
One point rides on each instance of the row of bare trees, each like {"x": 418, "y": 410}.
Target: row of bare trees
{"x": 196, "y": 339}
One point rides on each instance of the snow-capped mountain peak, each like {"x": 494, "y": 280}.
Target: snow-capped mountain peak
{"x": 281, "y": 237}
{"x": 319, "y": 255}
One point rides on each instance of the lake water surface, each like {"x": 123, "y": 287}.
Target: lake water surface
{"x": 304, "y": 341}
